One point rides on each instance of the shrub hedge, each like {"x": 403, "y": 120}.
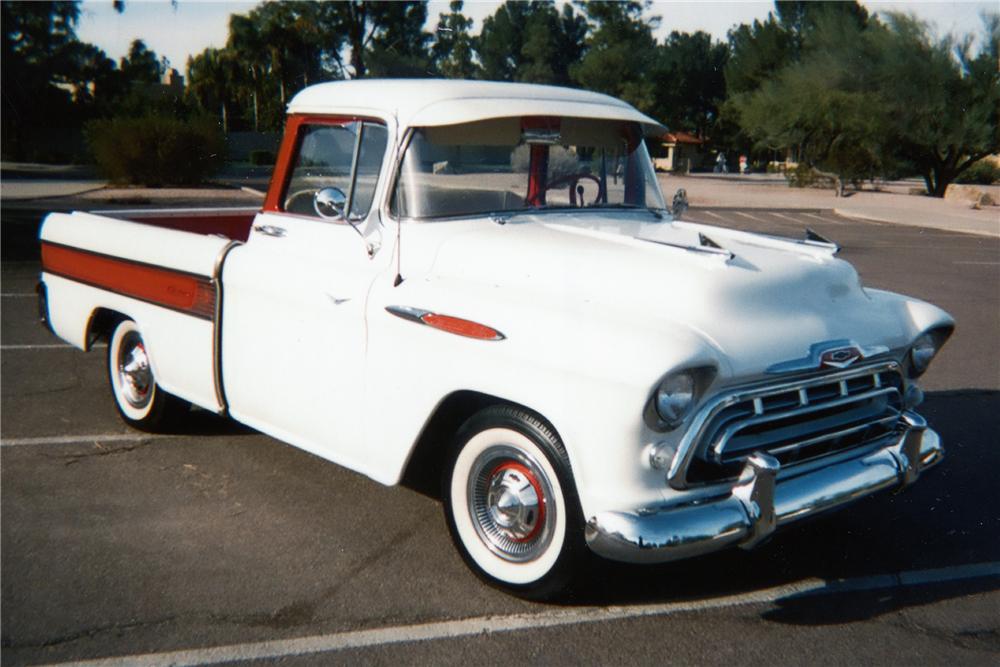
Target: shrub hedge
{"x": 262, "y": 157}
{"x": 983, "y": 172}
{"x": 156, "y": 150}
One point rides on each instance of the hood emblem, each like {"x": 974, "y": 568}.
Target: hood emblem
{"x": 842, "y": 357}
{"x": 828, "y": 354}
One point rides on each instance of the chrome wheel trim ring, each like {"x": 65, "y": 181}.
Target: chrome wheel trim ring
{"x": 135, "y": 378}
{"x": 509, "y": 504}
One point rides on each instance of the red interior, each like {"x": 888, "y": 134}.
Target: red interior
{"x": 231, "y": 225}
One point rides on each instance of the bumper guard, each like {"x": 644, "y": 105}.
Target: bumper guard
{"x": 758, "y": 503}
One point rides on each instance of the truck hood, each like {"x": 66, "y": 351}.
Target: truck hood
{"x": 768, "y": 303}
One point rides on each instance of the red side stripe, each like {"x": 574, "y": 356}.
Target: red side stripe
{"x": 183, "y": 292}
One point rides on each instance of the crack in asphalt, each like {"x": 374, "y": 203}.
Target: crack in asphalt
{"x": 303, "y": 612}
{"x": 984, "y": 639}
{"x": 87, "y": 633}
{"x": 98, "y": 451}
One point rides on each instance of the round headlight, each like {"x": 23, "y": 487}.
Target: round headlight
{"x": 921, "y": 353}
{"x": 674, "y": 398}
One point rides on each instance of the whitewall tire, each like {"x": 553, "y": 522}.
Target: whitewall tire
{"x": 140, "y": 401}
{"x": 511, "y": 504}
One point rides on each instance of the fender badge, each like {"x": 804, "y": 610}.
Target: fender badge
{"x": 828, "y": 354}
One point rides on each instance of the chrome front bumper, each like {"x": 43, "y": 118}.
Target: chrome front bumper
{"x": 759, "y": 503}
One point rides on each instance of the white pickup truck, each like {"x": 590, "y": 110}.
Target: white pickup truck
{"x": 484, "y": 279}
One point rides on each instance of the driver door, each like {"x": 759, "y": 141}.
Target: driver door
{"x": 293, "y": 339}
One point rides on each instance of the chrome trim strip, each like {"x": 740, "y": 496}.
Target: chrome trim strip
{"x": 814, "y": 238}
{"x": 174, "y": 212}
{"x": 417, "y": 315}
{"x": 686, "y": 449}
{"x": 757, "y": 504}
{"x": 220, "y": 390}
{"x": 814, "y": 358}
{"x": 835, "y": 434}
{"x": 718, "y": 252}
{"x": 805, "y": 409}
{"x": 354, "y": 171}
{"x": 409, "y": 313}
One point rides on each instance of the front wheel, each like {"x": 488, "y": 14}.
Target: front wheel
{"x": 511, "y": 504}
{"x": 140, "y": 401}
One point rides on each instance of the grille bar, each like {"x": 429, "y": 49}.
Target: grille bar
{"x": 718, "y": 447}
{"x": 885, "y": 421}
{"x": 796, "y": 421}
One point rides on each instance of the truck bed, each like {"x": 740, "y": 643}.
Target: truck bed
{"x": 157, "y": 267}
{"x": 232, "y": 223}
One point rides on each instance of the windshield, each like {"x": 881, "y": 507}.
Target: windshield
{"x": 524, "y": 164}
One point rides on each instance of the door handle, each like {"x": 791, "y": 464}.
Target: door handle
{"x": 270, "y": 230}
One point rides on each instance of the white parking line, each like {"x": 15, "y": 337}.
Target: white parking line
{"x": 822, "y": 219}
{"x": 40, "y": 346}
{"x": 79, "y": 439}
{"x": 18, "y": 295}
{"x": 785, "y": 217}
{"x": 748, "y": 216}
{"x": 480, "y": 625}
{"x": 979, "y": 263}
{"x": 714, "y": 215}
{"x": 48, "y": 346}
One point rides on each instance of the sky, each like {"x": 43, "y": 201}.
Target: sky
{"x": 193, "y": 25}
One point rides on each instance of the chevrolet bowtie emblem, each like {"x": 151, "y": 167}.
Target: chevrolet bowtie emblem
{"x": 828, "y": 354}
{"x": 842, "y": 357}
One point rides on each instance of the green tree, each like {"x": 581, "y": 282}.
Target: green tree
{"x": 141, "y": 65}
{"x": 756, "y": 52}
{"x": 246, "y": 44}
{"x": 943, "y": 101}
{"x": 865, "y": 98}
{"x": 689, "y": 80}
{"x": 386, "y": 35}
{"x": 399, "y": 47}
{"x": 275, "y": 50}
{"x": 620, "y": 53}
{"x": 453, "y": 52}
{"x": 94, "y": 78}
{"x": 531, "y": 41}
{"x": 799, "y": 18}
{"x": 212, "y": 77}
{"x": 35, "y": 36}
{"x": 825, "y": 104}
{"x": 554, "y": 42}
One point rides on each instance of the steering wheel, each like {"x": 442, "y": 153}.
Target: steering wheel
{"x": 572, "y": 180}
{"x": 301, "y": 202}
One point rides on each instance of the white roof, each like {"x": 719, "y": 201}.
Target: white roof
{"x": 430, "y": 102}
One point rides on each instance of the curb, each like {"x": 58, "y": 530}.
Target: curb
{"x": 75, "y": 193}
{"x": 853, "y": 215}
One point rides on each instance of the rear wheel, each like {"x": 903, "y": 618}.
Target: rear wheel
{"x": 511, "y": 504}
{"x": 140, "y": 401}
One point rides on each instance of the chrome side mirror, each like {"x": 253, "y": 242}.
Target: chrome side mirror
{"x": 330, "y": 203}
{"x": 680, "y": 203}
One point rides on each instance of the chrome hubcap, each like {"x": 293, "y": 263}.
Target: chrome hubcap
{"x": 508, "y": 495}
{"x": 134, "y": 374}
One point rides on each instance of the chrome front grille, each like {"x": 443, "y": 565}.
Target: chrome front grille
{"x": 798, "y": 421}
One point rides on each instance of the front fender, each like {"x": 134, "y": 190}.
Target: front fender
{"x": 918, "y": 316}
{"x": 586, "y": 370}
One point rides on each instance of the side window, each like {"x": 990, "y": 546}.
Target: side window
{"x": 373, "y": 142}
{"x": 325, "y": 158}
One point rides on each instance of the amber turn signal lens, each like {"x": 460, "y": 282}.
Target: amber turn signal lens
{"x": 461, "y": 327}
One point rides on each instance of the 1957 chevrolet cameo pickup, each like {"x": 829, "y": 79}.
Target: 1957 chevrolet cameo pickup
{"x": 484, "y": 278}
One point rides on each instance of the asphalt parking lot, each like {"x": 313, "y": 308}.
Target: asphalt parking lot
{"x": 219, "y": 544}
